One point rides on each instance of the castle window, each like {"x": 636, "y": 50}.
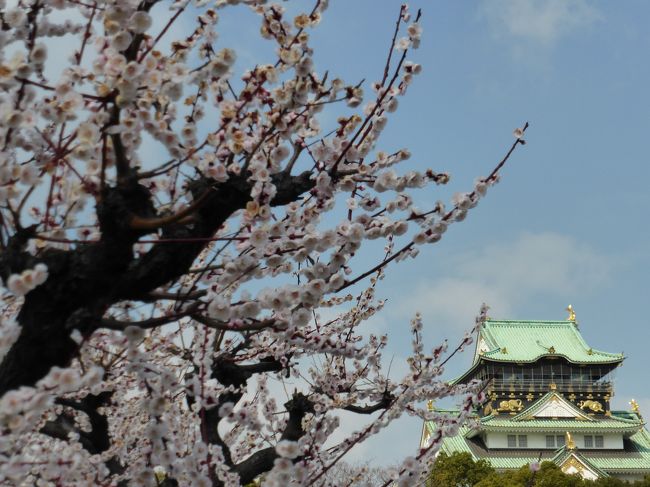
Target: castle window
{"x": 589, "y": 441}
{"x": 512, "y": 441}
{"x": 523, "y": 441}
{"x": 550, "y": 441}
{"x": 600, "y": 443}
{"x": 559, "y": 440}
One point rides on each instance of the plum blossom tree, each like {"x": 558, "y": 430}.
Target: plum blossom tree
{"x": 169, "y": 232}
{"x": 357, "y": 475}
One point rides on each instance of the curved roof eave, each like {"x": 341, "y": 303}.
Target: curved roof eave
{"x": 483, "y": 358}
{"x": 613, "y": 360}
{"x": 530, "y": 340}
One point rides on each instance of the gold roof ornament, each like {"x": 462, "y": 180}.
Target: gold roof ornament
{"x": 572, "y": 314}
{"x": 635, "y": 406}
{"x": 430, "y": 405}
{"x": 570, "y": 444}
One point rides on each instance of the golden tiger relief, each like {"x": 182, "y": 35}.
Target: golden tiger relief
{"x": 512, "y": 405}
{"x": 594, "y": 406}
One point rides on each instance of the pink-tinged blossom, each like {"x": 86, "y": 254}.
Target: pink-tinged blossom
{"x": 23, "y": 283}
{"x": 288, "y": 449}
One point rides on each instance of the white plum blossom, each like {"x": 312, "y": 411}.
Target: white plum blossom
{"x": 134, "y": 334}
{"x": 192, "y": 250}
{"x": 403, "y": 44}
{"x": 219, "y": 308}
{"x": 29, "y": 279}
{"x": 279, "y": 153}
{"x": 15, "y": 17}
{"x": 9, "y": 331}
{"x": 39, "y": 53}
{"x": 140, "y": 22}
{"x": 288, "y": 449}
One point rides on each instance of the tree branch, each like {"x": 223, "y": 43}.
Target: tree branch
{"x": 262, "y": 461}
{"x": 225, "y": 326}
{"x": 96, "y": 440}
{"x": 113, "y": 324}
{"x": 85, "y": 281}
{"x": 385, "y": 402}
{"x": 139, "y": 223}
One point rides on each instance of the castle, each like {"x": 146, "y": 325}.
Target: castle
{"x": 548, "y": 397}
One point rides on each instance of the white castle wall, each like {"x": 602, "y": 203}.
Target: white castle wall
{"x": 612, "y": 441}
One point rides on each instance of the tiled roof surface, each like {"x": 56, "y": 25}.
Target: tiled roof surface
{"x": 527, "y": 341}
{"x": 565, "y": 454}
{"x": 635, "y": 457}
{"x": 619, "y": 421}
{"x": 494, "y": 423}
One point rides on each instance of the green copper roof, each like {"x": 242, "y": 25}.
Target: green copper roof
{"x": 527, "y": 420}
{"x": 527, "y": 341}
{"x": 612, "y": 424}
{"x": 453, "y": 444}
{"x": 517, "y": 341}
{"x": 496, "y": 423}
{"x": 637, "y": 459}
{"x": 565, "y": 454}
{"x": 634, "y": 459}
{"x": 458, "y": 444}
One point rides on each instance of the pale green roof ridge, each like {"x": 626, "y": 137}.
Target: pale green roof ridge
{"x": 528, "y": 340}
{"x": 637, "y": 462}
{"x": 495, "y": 423}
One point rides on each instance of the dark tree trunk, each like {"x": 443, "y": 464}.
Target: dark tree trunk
{"x": 84, "y": 282}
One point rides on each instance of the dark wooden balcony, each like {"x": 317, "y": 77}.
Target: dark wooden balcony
{"x": 544, "y": 385}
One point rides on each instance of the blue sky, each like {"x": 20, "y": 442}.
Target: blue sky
{"x": 568, "y": 222}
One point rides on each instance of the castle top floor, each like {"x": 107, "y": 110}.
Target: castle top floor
{"x": 522, "y": 360}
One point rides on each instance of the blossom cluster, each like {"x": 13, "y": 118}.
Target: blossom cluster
{"x": 27, "y": 280}
{"x": 194, "y": 230}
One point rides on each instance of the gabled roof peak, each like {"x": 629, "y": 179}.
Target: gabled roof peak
{"x": 572, "y": 461}
{"x": 552, "y": 405}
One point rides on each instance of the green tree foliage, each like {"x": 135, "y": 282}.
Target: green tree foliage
{"x": 549, "y": 475}
{"x": 460, "y": 470}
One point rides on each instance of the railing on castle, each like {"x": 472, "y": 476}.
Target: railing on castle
{"x": 548, "y": 384}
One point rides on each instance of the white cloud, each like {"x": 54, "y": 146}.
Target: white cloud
{"x": 508, "y": 277}
{"x": 542, "y": 22}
